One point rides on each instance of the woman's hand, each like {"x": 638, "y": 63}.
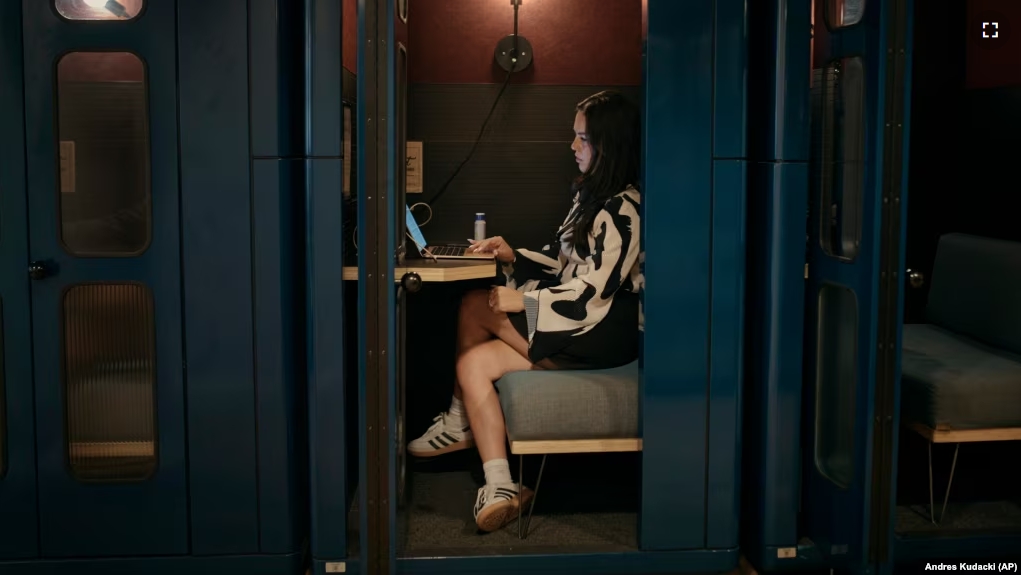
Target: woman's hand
{"x": 506, "y": 300}
{"x": 495, "y": 246}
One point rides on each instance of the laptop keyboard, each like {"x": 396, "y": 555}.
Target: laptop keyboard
{"x": 447, "y": 250}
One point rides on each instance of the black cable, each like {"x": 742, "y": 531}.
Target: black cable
{"x": 514, "y": 64}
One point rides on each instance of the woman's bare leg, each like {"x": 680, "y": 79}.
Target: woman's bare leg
{"x": 477, "y": 369}
{"x": 477, "y": 325}
{"x": 499, "y": 500}
{"x": 488, "y": 347}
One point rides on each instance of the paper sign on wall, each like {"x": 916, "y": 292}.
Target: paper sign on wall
{"x": 67, "y": 174}
{"x": 414, "y": 165}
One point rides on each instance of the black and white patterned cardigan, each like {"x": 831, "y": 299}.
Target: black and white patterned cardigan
{"x": 566, "y": 292}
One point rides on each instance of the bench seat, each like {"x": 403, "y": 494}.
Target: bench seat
{"x": 569, "y": 405}
{"x": 961, "y": 371}
{"x": 950, "y": 381}
{"x": 569, "y": 411}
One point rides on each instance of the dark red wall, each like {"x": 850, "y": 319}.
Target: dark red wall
{"x": 962, "y": 143}
{"x": 575, "y": 42}
{"x": 994, "y": 63}
{"x": 349, "y": 44}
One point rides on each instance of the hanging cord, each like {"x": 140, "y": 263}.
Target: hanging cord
{"x": 475, "y": 146}
{"x": 506, "y": 81}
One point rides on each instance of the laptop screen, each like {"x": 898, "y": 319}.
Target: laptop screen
{"x": 416, "y": 233}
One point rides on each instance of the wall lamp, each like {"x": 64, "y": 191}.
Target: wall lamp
{"x": 514, "y": 52}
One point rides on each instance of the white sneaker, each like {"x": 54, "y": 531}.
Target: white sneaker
{"x": 445, "y": 436}
{"x": 497, "y": 505}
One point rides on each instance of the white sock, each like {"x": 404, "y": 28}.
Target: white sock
{"x": 497, "y": 472}
{"x": 457, "y": 414}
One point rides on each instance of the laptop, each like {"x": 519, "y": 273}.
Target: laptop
{"x": 441, "y": 251}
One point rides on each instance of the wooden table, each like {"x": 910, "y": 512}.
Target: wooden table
{"x": 438, "y": 271}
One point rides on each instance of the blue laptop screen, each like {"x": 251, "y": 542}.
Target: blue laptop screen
{"x": 416, "y": 233}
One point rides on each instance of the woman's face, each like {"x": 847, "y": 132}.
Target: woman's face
{"x": 581, "y": 146}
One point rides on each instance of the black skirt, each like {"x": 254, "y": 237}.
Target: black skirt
{"x": 613, "y": 342}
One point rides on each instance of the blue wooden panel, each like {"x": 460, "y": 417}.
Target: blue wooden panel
{"x": 836, "y": 511}
{"x": 730, "y": 109}
{"x": 891, "y": 521}
{"x": 366, "y": 54}
{"x": 324, "y": 115}
{"x": 276, "y": 77}
{"x": 276, "y": 213}
{"x": 780, "y": 79}
{"x": 390, "y": 201}
{"x": 18, "y": 527}
{"x": 678, "y": 148}
{"x": 646, "y": 562}
{"x": 726, "y": 347}
{"x": 222, "y": 565}
{"x": 778, "y": 195}
{"x": 216, "y": 237}
{"x": 325, "y": 357}
{"x": 105, "y": 518}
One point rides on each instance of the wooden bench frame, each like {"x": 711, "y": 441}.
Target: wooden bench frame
{"x": 547, "y": 447}
{"x": 947, "y": 434}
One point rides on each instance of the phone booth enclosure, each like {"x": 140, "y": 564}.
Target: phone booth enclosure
{"x": 144, "y": 104}
{"x": 818, "y": 416}
{"x": 694, "y": 109}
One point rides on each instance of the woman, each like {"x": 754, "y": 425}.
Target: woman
{"x": 572, "y": 305}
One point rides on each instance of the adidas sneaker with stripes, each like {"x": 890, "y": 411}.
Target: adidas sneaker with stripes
{"x": 497, "y": 505}
{"x": 444, "y": 436}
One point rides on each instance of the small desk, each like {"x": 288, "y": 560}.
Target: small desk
{"x": 438, "y": 271}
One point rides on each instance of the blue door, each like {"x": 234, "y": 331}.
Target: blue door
{"x": 18, "y": 527}
{"x": 102, "y": 183}
{"x": 850, "y": 86}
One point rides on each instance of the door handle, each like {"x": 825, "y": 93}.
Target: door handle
{"x": 412, "y": 282}
{"x": 38, "y": 270}
{"x": 916, "y": 279}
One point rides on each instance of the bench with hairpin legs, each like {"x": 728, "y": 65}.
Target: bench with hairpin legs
{"x": 961, "y": 371}
{"x": 558, "y": 412}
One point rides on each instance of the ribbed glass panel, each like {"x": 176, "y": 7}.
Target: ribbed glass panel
{"x": 109, "y": 381}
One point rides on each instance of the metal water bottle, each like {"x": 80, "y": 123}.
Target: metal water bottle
{"x": 480, "y": 226}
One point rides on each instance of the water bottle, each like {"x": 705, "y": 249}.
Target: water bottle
{"x": 480, "y": 226}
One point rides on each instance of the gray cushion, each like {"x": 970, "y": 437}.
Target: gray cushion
{"x": 952, "y": 380}
{"x": 576, "y": 404}
{"x": 976, "y": 289}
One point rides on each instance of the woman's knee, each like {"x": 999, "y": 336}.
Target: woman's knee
{"x": 475, "y": 370}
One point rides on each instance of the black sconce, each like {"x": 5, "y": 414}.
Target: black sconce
{"x": 514, "y": 53}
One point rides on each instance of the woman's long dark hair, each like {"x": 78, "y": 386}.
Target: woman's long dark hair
{"x": 613, "y": 126}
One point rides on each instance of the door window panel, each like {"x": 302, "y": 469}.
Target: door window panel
{"x": 839, "y": 156}
{"x": 835, "y": 383}
{"x": 99, "y": 9}
{"x": 844, "y": 13}
{"x": 110, "y": 381}
{"x": 104, "y": 174}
